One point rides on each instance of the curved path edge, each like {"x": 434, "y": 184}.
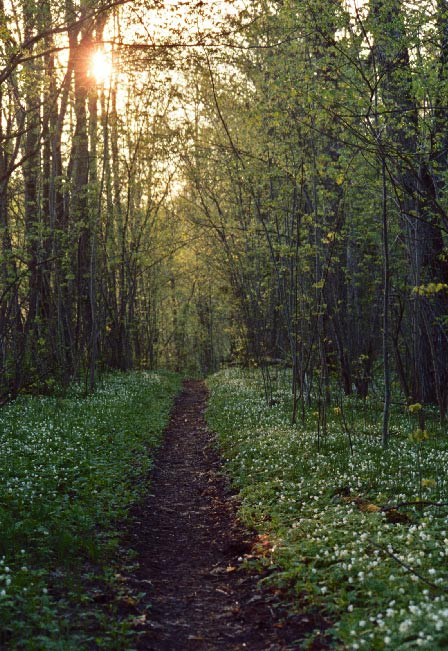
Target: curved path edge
{"x": 190, "y": 543}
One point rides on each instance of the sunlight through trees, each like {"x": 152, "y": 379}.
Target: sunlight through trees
{"x": 190, "y": 183}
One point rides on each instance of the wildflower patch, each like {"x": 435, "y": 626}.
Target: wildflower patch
{"x": 360, "y": 533}
{"x": 71, "y": 468}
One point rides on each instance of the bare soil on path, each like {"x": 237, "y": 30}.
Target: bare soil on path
{"x": 190, "y": 544}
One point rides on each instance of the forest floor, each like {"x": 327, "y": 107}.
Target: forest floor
{"x": 190, "y": 545}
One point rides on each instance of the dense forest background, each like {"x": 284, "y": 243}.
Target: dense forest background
{"x": 184, "y": 184}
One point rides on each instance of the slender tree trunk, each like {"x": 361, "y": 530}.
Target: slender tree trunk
{"x": 386, "y": 292}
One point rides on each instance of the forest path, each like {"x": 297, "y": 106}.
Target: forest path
{"x": 189, "y": 540}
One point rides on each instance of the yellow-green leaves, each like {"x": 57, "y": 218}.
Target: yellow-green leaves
{"x": 419, "y": 435}
{"x": 429, "y": 289}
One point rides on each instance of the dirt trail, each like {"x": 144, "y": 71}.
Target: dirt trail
{"x": 189, "y": 540}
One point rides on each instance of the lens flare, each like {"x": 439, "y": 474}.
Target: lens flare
{"x": 101, "y": 67}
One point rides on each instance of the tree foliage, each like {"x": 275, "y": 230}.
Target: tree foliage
{"x": 262, "y": 183}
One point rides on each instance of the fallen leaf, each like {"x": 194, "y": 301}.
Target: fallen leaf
{"x": 369, "y": 508}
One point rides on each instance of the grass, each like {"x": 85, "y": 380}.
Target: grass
{"x": 380, "y": 574}
{"x": 71, "y": 468}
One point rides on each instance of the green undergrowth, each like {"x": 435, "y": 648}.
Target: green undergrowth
{"x": 335, "y": 542}
{"x": 71, "y": 468}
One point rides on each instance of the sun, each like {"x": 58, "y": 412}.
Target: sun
{"x": 101, "y": 67}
